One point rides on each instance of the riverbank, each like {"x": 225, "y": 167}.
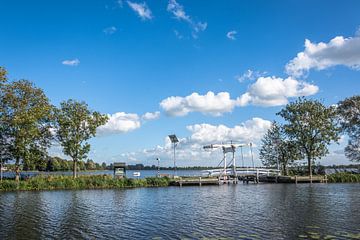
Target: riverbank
{"x": 82, "y": 182}
{"x": 60, "y": 182}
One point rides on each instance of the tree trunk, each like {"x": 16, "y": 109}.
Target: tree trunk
{"x": 285, "y": 169}
{"x": 17, "y": 170}
{"x": 1, "y": 170}
{"x": 309, "y": 165}
{"x": 75, "y": 168}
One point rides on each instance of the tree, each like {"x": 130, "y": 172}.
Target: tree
{"x": 277, "y": 150}
{"x": 349, "y": 113}
{"x": 54, "y": 164}
{"x": 103, "y": 166}
{"x": 311, "y": 127}
{"x": 76, "y": 124}
{"x": 4, "y": 136}
{"x": 90, "y": 165}
{"x": 5, "y": 147}
{"x": 65, "y": 165}
{"x": 26, "y": 114}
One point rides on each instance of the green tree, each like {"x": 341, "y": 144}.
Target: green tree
{"x": 103, "y": 166}
{"x": 76, "y": 124}
{"x": 311, "y": 127}
{"x": 277, "y": 150}
{"x": 349, "y": 113}
{"x": 54, "y": 164}
{"x": 90, "y": 165}
{"x": 65, "y": 165}
{"x": 26, "y": 114}
{"x": 5, "y": 141}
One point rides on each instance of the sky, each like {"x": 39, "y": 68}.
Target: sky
{"x": 207, "y": 71}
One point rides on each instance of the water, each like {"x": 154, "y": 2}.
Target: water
{"x": 262, "y": 211}
{"x": 129, "y": 173}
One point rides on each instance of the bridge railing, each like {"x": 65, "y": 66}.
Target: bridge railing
{"x": 242, "y": 171}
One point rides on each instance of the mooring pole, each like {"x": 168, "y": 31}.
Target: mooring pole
{"x": 158, "y": 173}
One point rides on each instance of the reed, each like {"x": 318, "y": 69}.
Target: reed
{"x": 82, "y": 182}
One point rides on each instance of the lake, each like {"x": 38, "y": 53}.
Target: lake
{"x": 129, "y": 173}
{"x": 252, "y": 211}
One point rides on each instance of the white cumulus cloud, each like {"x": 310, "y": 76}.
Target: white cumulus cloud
{"x": 319, "y": 56}
{"x": 151, "y": 116}
{"x": 250, "y": 131}
{"x": 141, "y": 9}
{"x": 231, "y": 35}
{"x": 73, "y": 62}
{"x": 120, "y": 122}
{"x": 190, "y": 152}
{"x": 275, "y": 91}
{"x": 210, "y": 103}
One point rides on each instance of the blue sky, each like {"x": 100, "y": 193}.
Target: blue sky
{"x": 128, "y": 58}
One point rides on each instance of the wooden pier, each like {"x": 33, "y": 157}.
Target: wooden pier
{"x": 293, "y": 179}
{"x": 200, "y": 181}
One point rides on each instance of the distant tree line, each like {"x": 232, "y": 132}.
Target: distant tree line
{"x": 307, "y": 130}
{"x": 29, "y": 125}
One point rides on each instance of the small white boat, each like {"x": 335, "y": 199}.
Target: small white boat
{"x": 136, "y": 174}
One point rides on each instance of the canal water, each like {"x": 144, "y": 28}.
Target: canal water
{"x": 129, "y": 173}
{"x": 252, "y": 211}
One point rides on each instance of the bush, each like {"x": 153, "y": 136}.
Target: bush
{"x": 343, "y": 177}
{"x": 51, "y": 182}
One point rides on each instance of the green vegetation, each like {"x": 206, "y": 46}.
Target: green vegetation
{"x": 344, "y": 177}
{"x": 29, "y": 124}
{"x": 75, "y": 125}
{"x": 51, "y": 182}
{"x": 277, "y": 149}
{"x": 311, "y": 127}
{"x": 348, "y": 111}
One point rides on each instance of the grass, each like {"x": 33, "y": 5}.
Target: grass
{"x": 52, "y": 182}
{"x": 343, "y": 177}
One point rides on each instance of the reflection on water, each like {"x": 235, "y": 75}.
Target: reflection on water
{"x": 263, "y": 211}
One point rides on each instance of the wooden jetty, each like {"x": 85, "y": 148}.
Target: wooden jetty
{"x": 200, "y": 181}
{"x": 293, "y": 179}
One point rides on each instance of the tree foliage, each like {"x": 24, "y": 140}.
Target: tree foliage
{"x": 26, "y": 114}
{"x": 349, "y": 113}
{"x": 277, "y": 150}
{"x": 76, "y": 124}
{"x": 311, "y": 127}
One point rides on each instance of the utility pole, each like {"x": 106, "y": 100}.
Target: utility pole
{"x": 158, "y": 173}
{"x": 174, "y": 140}
{"x": 252, "y": 156}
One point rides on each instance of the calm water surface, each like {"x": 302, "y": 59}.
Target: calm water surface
{"x": 262, "y": 211}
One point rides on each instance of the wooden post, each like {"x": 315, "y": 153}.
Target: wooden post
{"x": 257, "y": 175}
{"x": 311, "y": 178}
{"x": 296, "y": 179}
{"x": 200, "y": 181}
{"x": 180, "y": 182}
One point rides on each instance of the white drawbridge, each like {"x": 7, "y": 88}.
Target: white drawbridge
{"x": 230, "y": 170}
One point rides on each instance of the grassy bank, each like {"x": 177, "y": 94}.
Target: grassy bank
{"x": 343, "y": 177}
{"x": 82, "y": 182}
